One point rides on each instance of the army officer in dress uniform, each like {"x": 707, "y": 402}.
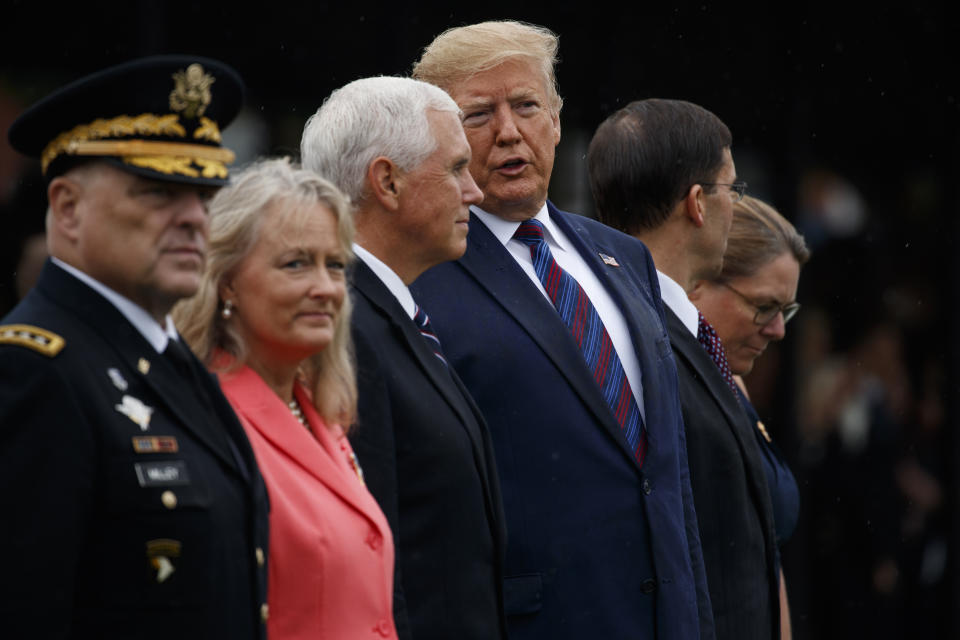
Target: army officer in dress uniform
{"x": 131, "y": 503}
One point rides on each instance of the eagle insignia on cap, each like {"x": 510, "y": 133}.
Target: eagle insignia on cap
{"x": 154, "y": 117}
{"x": 191, "y": 91}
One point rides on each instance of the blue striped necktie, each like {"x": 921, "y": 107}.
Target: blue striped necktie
{"x": 422, "y": 321}
{"x": 591, "y": 336}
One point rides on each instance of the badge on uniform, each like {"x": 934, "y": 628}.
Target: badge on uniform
{"x": 610, "y": 261}
{"x": 155, "y": 444}
{"x": 160, "y": 554}
{"x": 161, "y": 474}
{"x": 117, "y": 378}
{"x": 134, "y": 409}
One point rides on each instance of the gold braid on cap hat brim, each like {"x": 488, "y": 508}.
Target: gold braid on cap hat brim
{"x": 164, "y": 157}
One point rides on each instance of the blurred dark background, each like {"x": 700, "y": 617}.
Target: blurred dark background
{"x": 845, "y": 119}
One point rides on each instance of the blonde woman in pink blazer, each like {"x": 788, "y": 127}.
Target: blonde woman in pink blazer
{"x": 272, "y": 319}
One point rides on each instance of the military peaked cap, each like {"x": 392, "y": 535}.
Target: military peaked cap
{"x": 159, "y": 117}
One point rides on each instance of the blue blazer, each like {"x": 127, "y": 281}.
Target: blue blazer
{"x": 597, "y": 547}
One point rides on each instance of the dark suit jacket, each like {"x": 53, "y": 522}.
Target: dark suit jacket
{"x": 598, "y": 548}
{"x": 85, "y": 513}
{"x": 427, "y": 458}
{"x": 730, "y": 492}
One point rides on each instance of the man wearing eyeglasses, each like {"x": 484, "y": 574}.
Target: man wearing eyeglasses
{"x": 662, "y": 171}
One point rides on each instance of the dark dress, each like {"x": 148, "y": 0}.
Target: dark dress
{"x": 784, "y": 493}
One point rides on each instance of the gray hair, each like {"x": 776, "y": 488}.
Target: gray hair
{"x": 368, "y": 118}
{"x": 236, "y": 216}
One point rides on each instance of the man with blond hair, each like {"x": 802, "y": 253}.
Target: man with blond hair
{"x": 396, "y": 147}
{"x": 554, "y": 323}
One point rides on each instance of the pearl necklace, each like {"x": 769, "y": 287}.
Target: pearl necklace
{"x": 298, "y": 413}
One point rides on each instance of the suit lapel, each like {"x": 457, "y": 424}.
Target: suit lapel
{"x": 446, "y": 381}
{"x": 489, "y": 262}
{"x": 132, "y": 348}
{"x": 688, "y": 348}
{"x": 622, "y": 283}
{"x": 318, "y": 454}
{"x": 189, "y": 408}
{"x": 367, "y": 284}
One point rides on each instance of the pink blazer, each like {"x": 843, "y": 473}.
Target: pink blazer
{"x": 331, "y": 551}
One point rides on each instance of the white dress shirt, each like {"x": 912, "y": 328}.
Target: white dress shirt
{"x": 676, "y": 298}
{"x": 149, "y": 328}
{"x": 389, "y": 278}
{"x": 573, "y": 263}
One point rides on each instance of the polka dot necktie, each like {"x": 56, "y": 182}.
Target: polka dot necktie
{"x": 591, "y": 336}
{"x": 708, "y": 337}
{"x": 422, "y": 321}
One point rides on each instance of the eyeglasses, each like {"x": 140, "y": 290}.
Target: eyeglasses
{"x": 738, "y": 189}
{"x": 767, "y": 312}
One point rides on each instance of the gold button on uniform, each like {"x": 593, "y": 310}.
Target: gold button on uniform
{"x": 264, "y": 612}
{"x": 260, "y": 558}
{"x": 169, "y": 499}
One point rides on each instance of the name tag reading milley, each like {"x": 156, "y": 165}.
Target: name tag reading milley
{"x": 162, "y": 474}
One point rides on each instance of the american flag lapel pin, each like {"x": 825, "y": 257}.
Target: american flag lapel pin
{"x": 610, "y": 261}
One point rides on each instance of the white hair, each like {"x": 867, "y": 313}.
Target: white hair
{"x": 368, "y": 118}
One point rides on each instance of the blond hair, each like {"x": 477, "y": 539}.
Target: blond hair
{"x": 236, "y": 216}
{"x": 759, "y": 235}
{"x": 462, "y": 52}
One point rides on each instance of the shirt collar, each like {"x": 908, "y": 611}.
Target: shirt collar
{"x": 504, "y": 229}
{"x": 389, "y": 278}
{"x": 676, "y": 298}
{"x": 150, "y": 329}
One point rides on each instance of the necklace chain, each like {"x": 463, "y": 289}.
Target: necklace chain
{"x": 298, "y": 414}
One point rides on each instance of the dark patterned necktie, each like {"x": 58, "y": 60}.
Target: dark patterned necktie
{"x": 591, "y": 336}
{"x": 176, "y": 353}
{"x": 708, "y": 337}
{"x": 422, "y": 321}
